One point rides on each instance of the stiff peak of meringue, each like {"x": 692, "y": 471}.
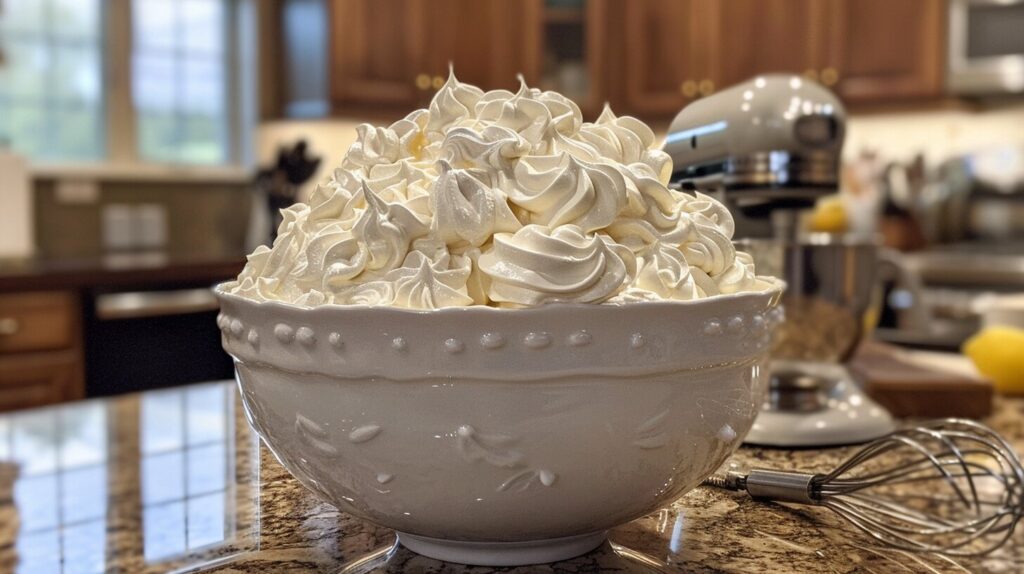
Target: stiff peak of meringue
{"x": 505, "y": 199}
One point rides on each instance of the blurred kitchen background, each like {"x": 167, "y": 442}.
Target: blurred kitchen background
{"x": 146, "y": 144}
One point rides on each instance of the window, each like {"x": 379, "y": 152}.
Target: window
{"x": 179, "y": 80}
{"x": 51, "y": 88}
{"x": 123, "y": 82}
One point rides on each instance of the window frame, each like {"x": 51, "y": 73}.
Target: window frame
{"x": 118, "y": 124}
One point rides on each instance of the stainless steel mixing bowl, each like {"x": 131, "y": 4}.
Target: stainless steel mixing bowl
{"x": 832, "y": 299}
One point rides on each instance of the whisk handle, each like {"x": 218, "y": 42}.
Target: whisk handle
{"x": 781, "y": 486}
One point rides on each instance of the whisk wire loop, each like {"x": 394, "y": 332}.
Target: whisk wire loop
{"x": 911, "y": 443}
{"x": 892, "y": 488}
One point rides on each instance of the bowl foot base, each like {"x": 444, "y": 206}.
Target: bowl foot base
{"x": 503, "y": 553}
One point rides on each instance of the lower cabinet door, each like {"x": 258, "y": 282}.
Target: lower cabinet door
{"x": 32, "y": 380}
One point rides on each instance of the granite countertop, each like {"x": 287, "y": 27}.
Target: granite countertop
{"x": 175, "y": 481}
{"x": 117, "y": 269}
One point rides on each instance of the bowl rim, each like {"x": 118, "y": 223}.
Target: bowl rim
{"x": 773, "y": 287}
{"x": 487, "y": 343}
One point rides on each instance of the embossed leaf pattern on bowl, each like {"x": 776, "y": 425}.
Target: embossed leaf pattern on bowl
{"x": 490, "y": 448}
{"x": 364, "y": 433}
{"x": 651, "y": 433}
{"x": 314, "y": 435}
{"x": 522, "y": 481}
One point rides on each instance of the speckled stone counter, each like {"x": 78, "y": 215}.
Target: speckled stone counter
{"x": 175, "y": 481}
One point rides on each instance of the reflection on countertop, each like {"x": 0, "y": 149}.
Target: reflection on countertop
{"x": 175, "y": 480}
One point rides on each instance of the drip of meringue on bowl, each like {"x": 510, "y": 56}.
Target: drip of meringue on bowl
{"x": 496, "y": 331}
{"x": 501, "y": 199}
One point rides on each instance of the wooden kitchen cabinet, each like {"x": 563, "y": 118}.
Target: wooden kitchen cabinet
{"x": 394, "y": 54}
{"x": 766, "y": 36}
{"x": 662, "y": 58}
{"x": 488, "y": 42}
{"x": 885, "y": 49}
{"x": 646, "y": 57}
{"x": 672, "y": 52}
{"x": 41, "y": 358}
{"x": 36, "y": 379}
{"x": 865, "y": 50}
{"x": 376, "y": 52}
{"x": 38, "y": 321}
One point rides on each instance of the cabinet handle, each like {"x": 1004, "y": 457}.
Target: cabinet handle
{"x": 9, "y": 326}
{"x": 423, "y": 82}
{"x": 829, "y": 76}
{"x": 706, "y": 88}
{"x": 688, "y": 88}
{"x": 437, "y": 83}
{"x": 811, "y": 74}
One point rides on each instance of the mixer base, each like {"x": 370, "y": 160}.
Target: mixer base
{"x": 846, "y": 415}
{"x": 503, "y": 553}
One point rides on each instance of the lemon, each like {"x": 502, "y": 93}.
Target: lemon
{"x": 998, "y": 352}
{"x": 829, "y": 215}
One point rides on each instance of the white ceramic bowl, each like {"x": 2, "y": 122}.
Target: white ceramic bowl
{"x": 502, "y": 437}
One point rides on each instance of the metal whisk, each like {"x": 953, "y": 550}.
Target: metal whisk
{"x": 951, "y": 486}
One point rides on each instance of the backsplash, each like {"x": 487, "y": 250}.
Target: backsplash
{"x": 197, "y": 217}
{"x": 936, "y": 134}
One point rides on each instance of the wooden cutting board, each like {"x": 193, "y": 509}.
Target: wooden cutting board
{"x": 921, "y": 384}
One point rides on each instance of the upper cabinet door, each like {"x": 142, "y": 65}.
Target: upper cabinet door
{"x": 376, "y": 52}
{"x": 663, "y": 55}
{"x": 489, "y": 42}
{"x": 753, "y": 37}
{"x": 885, "y": 49}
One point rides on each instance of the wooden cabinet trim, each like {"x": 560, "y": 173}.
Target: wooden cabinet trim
{"x": 596, "y": 22}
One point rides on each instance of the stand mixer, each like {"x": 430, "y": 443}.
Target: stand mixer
{"x": 768, "y": 148}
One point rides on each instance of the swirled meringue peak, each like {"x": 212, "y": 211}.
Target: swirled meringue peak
{"x": 505, "y": 199}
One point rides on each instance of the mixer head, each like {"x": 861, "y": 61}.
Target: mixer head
{"x": 770, "y": 143}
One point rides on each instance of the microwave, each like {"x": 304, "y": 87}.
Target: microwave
{"x": 986, "y": 46}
